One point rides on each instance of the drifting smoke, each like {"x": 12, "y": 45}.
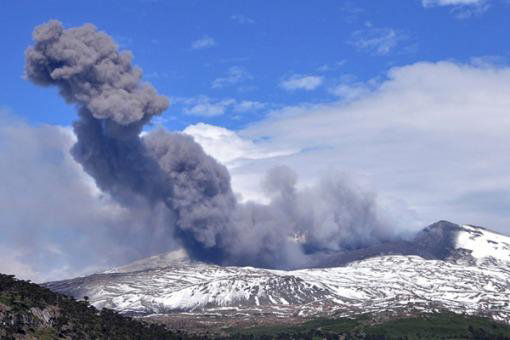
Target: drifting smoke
{"x": 172, "y": 170}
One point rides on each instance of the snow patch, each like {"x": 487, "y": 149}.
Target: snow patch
{"x": 483, "y": 243}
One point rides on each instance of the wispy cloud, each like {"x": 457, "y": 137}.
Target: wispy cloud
{"x": 332, "y": 66}
{"x": 203, "y": 42}
{"x": 348, "y": 91}
{"x": 208, "y": 107}
{"x": 249, "y": 105}
{"x": 301, "y": 82}
{"x": 242, "y": 19}
{"x": 234, "y": 75}
{"x": 205, "y": 106}
{"x": 351, "y": 12}
{"x": 428, "y": 3}
{"x": 462, "y": 9}
{"x": 377, "y": 41}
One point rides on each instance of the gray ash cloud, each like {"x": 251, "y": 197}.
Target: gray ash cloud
{"x": 172, "y": 171}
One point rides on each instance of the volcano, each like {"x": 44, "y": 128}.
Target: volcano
{"x": 445, "y": 267}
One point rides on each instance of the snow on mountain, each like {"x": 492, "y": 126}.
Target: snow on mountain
{"x": 466, "y": 270}
{"x": 483, "y": 243}
{"x": 158, "y": 261}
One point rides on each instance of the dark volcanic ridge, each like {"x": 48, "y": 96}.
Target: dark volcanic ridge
{"x": 435, "y": 242}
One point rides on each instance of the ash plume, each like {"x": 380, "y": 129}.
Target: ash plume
{"x": 171, "y": 170}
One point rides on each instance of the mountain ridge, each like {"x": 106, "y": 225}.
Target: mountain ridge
{"x": 437, "y": 241}
{"x": 454, "y": 275}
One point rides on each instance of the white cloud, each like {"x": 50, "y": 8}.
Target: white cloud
{"x": 205, "y": 106}
{"x": 240, "y": 155}
{"x": 208, "y": 107}
{"x": 349, "y": 89}
{"x": 331, "y": 67}
{"x": 55, "y": 223}
{"x": 301, "y": 82}
{"x": 429, "y": 3}
{"x": 203, "y": 42}
{"x": 434, "y": 135}
{"x": 242, "y": 19}
{"x": 234, "y": 75}
{"x": 377, "y": 41}
{"x": 11, "y": 263}
{"x": 461, "y": 8}
{"x": 228, "y": 147}
{"x": 249, "y": 105}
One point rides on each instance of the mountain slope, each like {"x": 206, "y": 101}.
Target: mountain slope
{"x": 28, "y": 311}
{"x": 442, "y": 240}
{"x": 464, "y": 269}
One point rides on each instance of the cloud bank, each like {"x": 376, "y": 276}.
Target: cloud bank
{"x": 431, "y": 134}
{"x": 55, "y": 222}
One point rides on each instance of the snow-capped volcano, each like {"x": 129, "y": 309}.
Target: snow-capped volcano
{"x": 465, "y": 269}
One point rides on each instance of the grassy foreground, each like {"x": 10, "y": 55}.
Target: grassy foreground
{"x": 427, "y": 326}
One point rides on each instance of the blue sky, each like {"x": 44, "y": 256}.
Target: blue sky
{"x": 407, "y": 99}
{"x": 253, "y": 47}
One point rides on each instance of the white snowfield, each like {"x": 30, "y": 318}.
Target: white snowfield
{"x": 484, "y": 243}
{"x": 172, "y": 283}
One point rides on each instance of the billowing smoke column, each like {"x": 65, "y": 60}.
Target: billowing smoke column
{"x": 172, "y": 170}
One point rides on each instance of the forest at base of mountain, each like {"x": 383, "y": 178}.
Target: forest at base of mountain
{"x": 443, "y": 325}
{"x": 28, "y": 311}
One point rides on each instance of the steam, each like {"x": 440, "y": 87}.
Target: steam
{"x": 171, "y": 171}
